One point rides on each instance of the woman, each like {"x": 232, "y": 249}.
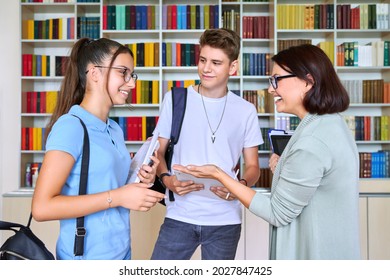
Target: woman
{"x": 313, "y": 206}
{"x": 100, "y": 74}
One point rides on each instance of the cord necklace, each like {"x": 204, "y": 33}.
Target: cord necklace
{"x": 207, "y": 117}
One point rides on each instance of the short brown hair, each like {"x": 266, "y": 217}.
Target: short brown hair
{"x": 224, "y": 39}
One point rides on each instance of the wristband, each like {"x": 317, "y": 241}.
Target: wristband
{"x": 246, "y": 183}
{"x": 162, "y": 175}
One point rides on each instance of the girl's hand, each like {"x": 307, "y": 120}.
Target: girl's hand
{"x": 136, "y": 196}
{"x": 147, "y": 173}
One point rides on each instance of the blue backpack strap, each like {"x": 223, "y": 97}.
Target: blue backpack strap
{"x": 179, "y": 102}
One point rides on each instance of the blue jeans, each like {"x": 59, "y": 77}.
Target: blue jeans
{"x": 178, "y": 241}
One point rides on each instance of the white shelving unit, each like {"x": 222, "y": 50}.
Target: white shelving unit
{"x": 240, "y": 82}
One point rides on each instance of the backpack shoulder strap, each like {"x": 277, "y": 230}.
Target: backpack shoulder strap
{"x": 80, "y": 229}
{"x": 179, "y": 102}
{"x": 9, "y": 226}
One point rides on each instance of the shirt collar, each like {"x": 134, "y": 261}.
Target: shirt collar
{"x": 89, "y": 119}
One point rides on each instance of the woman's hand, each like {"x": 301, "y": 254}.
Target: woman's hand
{"x": 207, "y": 171}
{"x": 222, "y": 192}
{"x": 203, "y": 171}
{"x": 273, "y": 161}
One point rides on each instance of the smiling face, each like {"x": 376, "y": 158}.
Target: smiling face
{"x": 119, "y": 90}
{"x": 214, "y": 68}
{"x": 289, "y": 94}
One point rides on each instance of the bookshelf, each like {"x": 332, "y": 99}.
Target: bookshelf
{"x": 258, "y": 23}
{"x": 164, "y": 37}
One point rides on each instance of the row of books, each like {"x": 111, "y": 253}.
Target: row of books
{"x": 305, "y": 16}
{"x": 137, "y": 128}
{"x": 246, "y": 1}
{"x": 255, "y": 27}
{"x": 261, "y": 99}
{"x": 145, "y": 92}
{"x": 369, "y": 128}
{"x": 231, "y": 19}
{"x": 374, "y": 164}
{"x": 39, "y": 65}
{"x": 145, "y": 54}
{"x": 39, "y": 101}
{"x": 287, "y": 123}
{"x": 134, "y": 129}
{"x": 88, "y": 27}
{"x": 60, "y": 64}
{"x": 35, "y": 65}
{"x": 256, "y": 64}
{"x": 60, "y": 1}
{"x": 375, "y": 53}
{"x": 130, "y": 17}
{"x": 285, "y": 44}
{"x": 141, "y": 17}
{"x": 266, "y": 146}
{"x": 363, "y": 16}
{"x": 178, "y": 54}
{"x": 367, "y": 91}
{"x": 168, "y": 84}
{"x": 265, "y": 180}
{"x": 33, "y": 138}
{"x": 54, "y": 28}
{"x": 326, "y": 46}
{"x": 190, "y": 16}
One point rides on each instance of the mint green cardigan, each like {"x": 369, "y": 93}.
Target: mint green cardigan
{"x": 313, "y": 208}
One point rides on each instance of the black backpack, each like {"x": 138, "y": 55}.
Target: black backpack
{"x": 24, "y": 244}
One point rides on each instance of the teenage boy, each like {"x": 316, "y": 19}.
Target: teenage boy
{"x": 218, "y": 128}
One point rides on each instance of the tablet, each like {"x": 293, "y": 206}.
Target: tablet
{"x": 143, "y": 157}
{"x": 279, "y": 139}
{"x": 207, "y": 182}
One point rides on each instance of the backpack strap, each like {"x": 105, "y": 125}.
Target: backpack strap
{"x": 179, "y": 103}
{"x": 10, "y": 226}
{"x": 80, "y": 229}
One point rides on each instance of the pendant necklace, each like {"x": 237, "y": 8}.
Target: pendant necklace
{"x": 207, "y": 117}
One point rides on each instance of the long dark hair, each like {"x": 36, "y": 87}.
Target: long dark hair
{"x": 85, "y": 51}
{"x": 327, "y": 95}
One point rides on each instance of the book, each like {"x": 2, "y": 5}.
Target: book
{"x": 143, "y": 157}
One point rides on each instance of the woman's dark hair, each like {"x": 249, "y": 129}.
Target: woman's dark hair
{"x": 327, "y": 95}
{"x": 84, "y": 52}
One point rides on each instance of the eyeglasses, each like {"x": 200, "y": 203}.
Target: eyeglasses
{"x": 273, "y": 80}
{"x": 126, "y": 74}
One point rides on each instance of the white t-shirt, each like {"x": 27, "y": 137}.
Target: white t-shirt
{"x": 239, "y": 129}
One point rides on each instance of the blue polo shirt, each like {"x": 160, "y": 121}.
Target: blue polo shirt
{"x": 108, "y": 231}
